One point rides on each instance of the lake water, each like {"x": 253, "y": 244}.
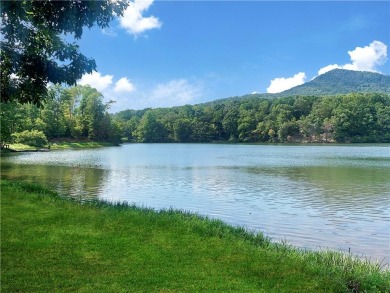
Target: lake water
{"x": 314, "y": 197}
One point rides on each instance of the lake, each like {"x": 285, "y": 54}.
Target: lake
{"x": 315, "y": 197}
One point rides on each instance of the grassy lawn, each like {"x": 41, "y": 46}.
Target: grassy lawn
{"x": 21, "y": 147}
{"x": 62, "y": 145}
{"x": 78, "y": 145}
{"x": 50, "y": 244}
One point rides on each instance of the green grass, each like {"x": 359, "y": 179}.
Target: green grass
{"x": 78, "y": 145}
{"x": 61, "y": 145}
{"x": 51, "y": 244}
{"x": 21, "y": 147}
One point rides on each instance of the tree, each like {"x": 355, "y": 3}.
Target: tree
{"x": 182, "y": 129}
{"x": 383, "y": 121}
{"x": 8, "y": 112}
{"x": 201, "y": 131}
{"x": 265, "y": 131}
{"x": 303, "y": 105}
{"x": 354, "y": 119}
{"x": 129, "y": 128}
{"x": 246, "y": 122}
{"x": 91, "y": 120}
{"x": 69, "y": 99}
{"x": 149, "y": 129}
{"x": 34, "y": 138}
{"x": 52, "y": 114}
{"x": 33, "y": 50}
{"x": 281, "y": 113}
{"x": 229, "y": 122}
{"x": 288, "y": 130}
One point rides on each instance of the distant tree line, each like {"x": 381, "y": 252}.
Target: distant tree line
{"x": 354, "y": 117}
{"x": 80, "y": 113}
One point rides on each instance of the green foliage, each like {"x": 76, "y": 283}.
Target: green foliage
{"x": 77, "y": 112}
{"x": 354, "y": 117}
{"x": 53, "y": 120}
{"x": 334, "y": 82}
{"x": 34, "y": 51}
{"x": 150, "y": 129}
{"x": 33, "y": 138}
{"x": 341, "y": 81}
{"x": 182, "y": 129}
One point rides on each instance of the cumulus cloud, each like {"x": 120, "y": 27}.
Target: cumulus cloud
{"x": 328, "y": 68}
{"x": 112, "y": 91}
{"x": 174, "y": 93}
{"x": 96, "y": 80}
{"x": 124, "y": 85}
{"x": 133, "y": 20}
{"x": 366, "y": 58}
{"x": 281, "y": 84}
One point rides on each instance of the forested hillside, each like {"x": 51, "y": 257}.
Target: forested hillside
{"x": 334, "y": 82}
{"x": 355, "y": 117}
{"x": 341, "y": 81}
{"x": 79, "y": 113}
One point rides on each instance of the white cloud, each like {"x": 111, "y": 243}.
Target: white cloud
{"x": 328, "y": 68}
{"x": 367, "y": 58}
{"x": 96, "y": 80}
{"x": 174, "y": 93}
{"x": 124, "y": 85}
{"x": 133, "y": 20}
{"x": 118, "y": 91}
{"x": 281, "y": 84}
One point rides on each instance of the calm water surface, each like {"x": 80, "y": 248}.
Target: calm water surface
{"x": 315, "y": 197}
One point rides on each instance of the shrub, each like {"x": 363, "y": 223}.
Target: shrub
{"x": 33, "y": 138}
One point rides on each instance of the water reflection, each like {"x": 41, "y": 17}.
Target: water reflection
{"x": 78, "y": 182}
{"x": 333, "y": 188}
{"x": 313, "y": 196}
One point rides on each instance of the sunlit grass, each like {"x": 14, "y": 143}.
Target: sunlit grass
{"x": 21, "y": 147}
{"x": 78, "y": 145}
{"x": 61, "y": 145}
{"x": 53, "y": 244}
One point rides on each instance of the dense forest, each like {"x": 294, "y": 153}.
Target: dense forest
{"x": 80, "y": 113}
{"x": 358, "y": 117}
{"x": 76, "y": 112}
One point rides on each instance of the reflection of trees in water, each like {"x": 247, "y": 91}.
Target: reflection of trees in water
{"x": 78, "y": 182}
{"x": 333, "y": 189}
{"x": 86, "y": 182}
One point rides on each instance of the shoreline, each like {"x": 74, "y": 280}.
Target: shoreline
{"x": 74, "y": 144}
{"x": 166, "y": 232}
{"x": 56, "y": 145}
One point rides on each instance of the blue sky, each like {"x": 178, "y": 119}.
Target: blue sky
{"x": 171, "y": 53}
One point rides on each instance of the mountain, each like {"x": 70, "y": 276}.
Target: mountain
{"x": 334, "y": 82}
{"x": 341, "y": 81}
